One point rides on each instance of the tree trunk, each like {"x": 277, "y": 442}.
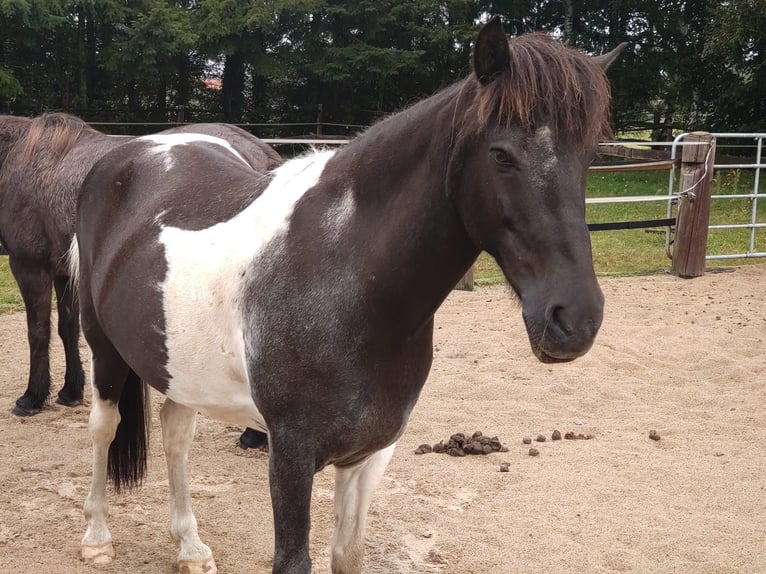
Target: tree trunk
{"x": 91, "y": 69}
{"x": 81, "y": 98}
{"x": 183, "y": 85}
{"x": 615, "y": 23}
{"x": 666, "y": 131}
{"x": 568, "y": 21}
{"x": 161, "y": 104}
{"x": 233, "y": 88}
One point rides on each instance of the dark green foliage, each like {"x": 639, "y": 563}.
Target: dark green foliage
{"x": 691, "y": 64}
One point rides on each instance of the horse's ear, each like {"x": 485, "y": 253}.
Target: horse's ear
{"x": 491, "y": 54}
{"x": 605, "y": 60}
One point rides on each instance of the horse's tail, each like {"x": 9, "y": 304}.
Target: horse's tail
{"x": 72, "y": 257}
{"x": 127, "y": 453}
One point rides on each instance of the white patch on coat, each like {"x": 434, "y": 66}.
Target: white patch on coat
{"x": 338, "y": 215}
{"x": 165, "y": 142}
{"x": 546, "y": 152}
{"x": 206, "y": 269}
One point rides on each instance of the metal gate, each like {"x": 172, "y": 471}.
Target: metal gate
{"x": 754, "y": 196}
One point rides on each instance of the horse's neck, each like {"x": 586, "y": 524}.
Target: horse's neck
{"x": 418, "y": 244}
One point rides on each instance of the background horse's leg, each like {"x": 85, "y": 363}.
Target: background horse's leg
{"x": 35, "y": 286}
{"x": 292, "y": 464}
{"x": 96, "y": 546}
{"x": 69, "y": 331}
{"x": 252, "y": 438}
{"x": 354, "y": 487}
{"x": 178, "y": 423}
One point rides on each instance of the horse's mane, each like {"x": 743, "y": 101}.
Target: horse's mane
{"x": 547, "y": 83}
{"x": 57, "y": 132}
{"x": 12, "y": 129}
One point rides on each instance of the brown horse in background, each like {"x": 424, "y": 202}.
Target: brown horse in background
{"x": 43, "y": 162}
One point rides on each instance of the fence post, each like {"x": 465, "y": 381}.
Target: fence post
{"x": 695, "y": 188}
{"x": 466, "y": 281}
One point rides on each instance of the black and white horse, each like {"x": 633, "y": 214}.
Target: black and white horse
{"x": 301, "y": 302}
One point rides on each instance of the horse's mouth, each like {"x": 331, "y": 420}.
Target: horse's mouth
{"x": 545, "y": 357}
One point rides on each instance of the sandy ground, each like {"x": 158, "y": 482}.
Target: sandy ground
{"x": 685, "y": 358}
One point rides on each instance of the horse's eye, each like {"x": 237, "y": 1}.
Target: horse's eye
{"x": 502, "y": 158}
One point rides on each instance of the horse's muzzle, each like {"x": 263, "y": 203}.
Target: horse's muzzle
{"x": 560, "y": 333}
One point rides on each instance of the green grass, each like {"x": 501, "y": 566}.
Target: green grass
{"x": 623, "y": 252}
{"x": 10, "y": 298}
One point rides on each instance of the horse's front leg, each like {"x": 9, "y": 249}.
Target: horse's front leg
{"x": 35, "y": 286}
{"x": 178, "y": 424}
{"x": 354, "y": 487}
{"x": 292, "y": 464}
{"x": 69, "y": 331}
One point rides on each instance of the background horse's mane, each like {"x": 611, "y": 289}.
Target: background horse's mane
{"x": 57, "y": 132}
{"x": 546, "y": 83}
{"x": 12, "y": 129}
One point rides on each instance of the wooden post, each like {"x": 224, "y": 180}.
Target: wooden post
{"x": 695, "y": 188}
{"x": 466, "y": 282}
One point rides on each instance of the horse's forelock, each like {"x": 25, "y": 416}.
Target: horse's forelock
{"x": 56, "y": 132}
{"x": 546, "y": 82}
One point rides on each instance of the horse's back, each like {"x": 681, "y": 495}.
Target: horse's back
{"x": 40, "y": 179}
{"x": 260, "y": 155}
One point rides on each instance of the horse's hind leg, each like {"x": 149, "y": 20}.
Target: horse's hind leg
{"x": 354, "y": 487}
{"x": 104, "y": 418}
{"x": 35, "y": 286}
{"x": 178, "y": 423}
{"x": 69, "y": 331}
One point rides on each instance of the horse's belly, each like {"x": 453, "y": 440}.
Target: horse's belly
{"x": 203, "y": 328}
{"x": 209, "y": 376}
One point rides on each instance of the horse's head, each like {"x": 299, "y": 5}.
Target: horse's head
{"x": 526, "y": 127}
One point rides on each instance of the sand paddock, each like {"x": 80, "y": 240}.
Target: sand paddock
{"x": 684, "y": 358}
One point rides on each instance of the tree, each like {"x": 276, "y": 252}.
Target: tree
{"x": 150, "y": 41}
{"x": 735, "y": 45}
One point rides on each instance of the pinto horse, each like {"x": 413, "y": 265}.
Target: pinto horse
{"x": 43, "y": 162}
{"x": 302, "y": 302}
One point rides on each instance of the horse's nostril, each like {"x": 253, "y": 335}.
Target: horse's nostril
{"x": 557, "y": 319}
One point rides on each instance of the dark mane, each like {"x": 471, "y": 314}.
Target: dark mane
{"x": 12, "y": 129}
{"x": 547, "y": 83}
{"x": 58, "y": 132}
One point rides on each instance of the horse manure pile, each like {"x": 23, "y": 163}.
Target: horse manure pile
{"x": 556, "y": 435}
{"x": 460, "y": 445}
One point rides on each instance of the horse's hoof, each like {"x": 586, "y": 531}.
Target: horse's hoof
{"x": 22, "y": 410}
{"x": 252, "y": 438}
{"x": 103, "y": 554}
{"x": 67, "y": 401}
{"x": 197, "y": 566}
